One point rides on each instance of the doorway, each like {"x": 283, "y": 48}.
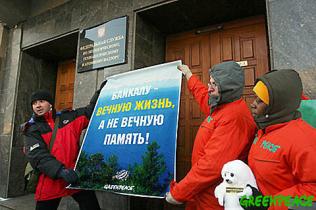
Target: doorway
{"x": 176, "y": 30}
{"x": 242, "y": 40}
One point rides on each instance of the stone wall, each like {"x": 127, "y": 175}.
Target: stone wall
{"x": 4, "y": 144}
{"x": 38, "y": 7}
{"x": 9, "y": 72}
{"x": 292, "y": 30}
{"x": 14, "y": 11}
{"x": 149, "y": 44}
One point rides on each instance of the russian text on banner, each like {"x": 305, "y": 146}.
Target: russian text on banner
{"x": 130, "y": 144}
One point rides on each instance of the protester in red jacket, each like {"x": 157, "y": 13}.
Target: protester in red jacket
{"x": 226, "y": 134}
{"x": 282, "y": 157}
{"x": 56, "y": 166}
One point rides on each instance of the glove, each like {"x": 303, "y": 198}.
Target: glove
{"x": 185, "y": 71}
{"x": 244, "y": 201}
{"x": 170, "y": 199}
{"x": 103, "y": 84}
{"x": 69, "y": 175}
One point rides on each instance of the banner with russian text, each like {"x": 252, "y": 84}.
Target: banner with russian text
{"x": 130, "y": 144}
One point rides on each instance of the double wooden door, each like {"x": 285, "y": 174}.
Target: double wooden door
{"x": 242, "y": 40}
{"x": 65, "y": 85}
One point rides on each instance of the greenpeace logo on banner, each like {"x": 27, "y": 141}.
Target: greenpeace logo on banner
{"x": 121, "y": 175}
{"x": 130, "y": 92}
{"x": 118, "y": 187}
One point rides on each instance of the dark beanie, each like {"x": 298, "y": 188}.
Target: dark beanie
{"x": 42, "y": 95}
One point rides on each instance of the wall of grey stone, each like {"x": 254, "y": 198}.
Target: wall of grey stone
{"x": 4, "y": 36}
{"x": 5, "y": 146}
{"x": 37, "y": 7}
{"x": 2, "y": 44}
{"x": 292, "y": 30}
{"x": 149, "y": 44}
{"x": 9, "y": 76}
{"x": 14, "y": 11}
{"x": 35, "y": 74}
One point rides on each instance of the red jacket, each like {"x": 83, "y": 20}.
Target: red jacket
{"x": 283, "y": 159}
{"x": 224, "y": 135}
{"x": 64, "y": 151}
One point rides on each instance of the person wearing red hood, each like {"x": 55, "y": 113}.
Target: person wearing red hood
{"x": 56, "y": 165}
{"x": 282, "y": 157}
{"x": 225, "y": 134}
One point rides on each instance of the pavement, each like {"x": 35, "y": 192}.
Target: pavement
{"x": 26, "y": 202}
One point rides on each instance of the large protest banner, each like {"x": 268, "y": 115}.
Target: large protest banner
{"x": 130, "y": 144}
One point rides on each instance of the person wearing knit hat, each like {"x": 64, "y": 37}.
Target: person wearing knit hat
{"x": 41, "y": 102}
{"x": 42, "y": 95}
{"x": 56, "y": 165}
{"x": 261, "y": 91}
{"x": 282, "y": 155}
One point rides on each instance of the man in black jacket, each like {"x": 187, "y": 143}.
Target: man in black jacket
{"x": 56, "y": 165}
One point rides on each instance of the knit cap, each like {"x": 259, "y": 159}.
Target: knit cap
{"x": 42, "y": 95}
{"x": 262, "y": 92}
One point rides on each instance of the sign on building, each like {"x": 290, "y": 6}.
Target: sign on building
{"x": 130, "y": 144}
{"x": 103, "y": 45}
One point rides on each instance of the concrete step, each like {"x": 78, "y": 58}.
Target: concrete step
{"x": 18, "y": 203}
{"x": 27, "y": 202}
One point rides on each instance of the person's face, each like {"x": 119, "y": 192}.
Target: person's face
{"x": 212, "y": 87}
{"x": 258, "y": 107}
{"x": 40, "y": 107}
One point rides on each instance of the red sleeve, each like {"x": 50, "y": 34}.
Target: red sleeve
{"x": 82, "y": 123}
{"x": 200, "y": 93}
{"x": 226, "y": 144}
{"x": 302, "y": 164}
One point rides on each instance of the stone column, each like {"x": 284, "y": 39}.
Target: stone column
{"x": 9, "y": 76}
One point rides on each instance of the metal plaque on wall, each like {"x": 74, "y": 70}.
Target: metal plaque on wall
{"x": 103, "y": 45}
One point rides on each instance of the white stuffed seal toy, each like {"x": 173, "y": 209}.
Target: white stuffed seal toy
{"x": 236, "y": 175}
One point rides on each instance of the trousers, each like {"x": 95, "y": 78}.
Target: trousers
{"x": 86, "y": 199}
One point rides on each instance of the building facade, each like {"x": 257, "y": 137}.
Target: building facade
{"x": 39, "y": 42}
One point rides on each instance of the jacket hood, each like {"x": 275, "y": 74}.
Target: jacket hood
{"x": 229, "y": 77}
{"x": 285, "y": 90}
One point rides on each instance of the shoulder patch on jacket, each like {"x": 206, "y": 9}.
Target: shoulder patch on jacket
{"x": 34, "y": 146}
{"x": 23, "y": 127}
{"x": 26, "y": 125}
